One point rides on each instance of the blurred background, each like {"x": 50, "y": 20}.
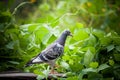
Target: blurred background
{"x": 28, "y": 26}
{"x": 102, "y": 14}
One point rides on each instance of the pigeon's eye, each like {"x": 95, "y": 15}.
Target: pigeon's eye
{"x": 68, "y": 32}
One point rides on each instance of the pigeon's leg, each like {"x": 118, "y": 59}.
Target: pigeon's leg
{"x": 57, "y": 66}
{"x": 52, "y": 65}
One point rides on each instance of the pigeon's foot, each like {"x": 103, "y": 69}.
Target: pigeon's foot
{"x": 53, "y": 72}
{"x": 57, "y": 66}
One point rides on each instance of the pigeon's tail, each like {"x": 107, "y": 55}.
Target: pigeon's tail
{"x": 28, "y": 63}
{"x": 33, "y": 61}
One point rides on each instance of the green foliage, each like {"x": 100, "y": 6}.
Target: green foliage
{"x": 94, "y": 64}
{"x": 91, "y": 54}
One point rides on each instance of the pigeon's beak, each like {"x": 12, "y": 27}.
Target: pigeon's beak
{"x": 71, "y": 35}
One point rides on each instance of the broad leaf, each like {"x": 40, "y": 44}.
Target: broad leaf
{"x": 94, "y": 64}
{"x": 88, "y": 57}
{"x": 102, "y": 67}
{"x": 117, "y": 57}
{"x": 110, "y": 48}
{"x": 65, "y": 65}
{"x": 80, "y": 35}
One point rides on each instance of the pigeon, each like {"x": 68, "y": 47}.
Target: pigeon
{"x": 51, "y": 53}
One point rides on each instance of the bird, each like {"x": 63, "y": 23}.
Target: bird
{"x": 52, "y": 52}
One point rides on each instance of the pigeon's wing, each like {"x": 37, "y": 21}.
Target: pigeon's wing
{"x": 50, "y": 53}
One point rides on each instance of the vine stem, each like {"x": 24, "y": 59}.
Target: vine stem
{"x": 21, "y": 4}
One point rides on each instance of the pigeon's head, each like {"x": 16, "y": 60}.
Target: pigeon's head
{"x": 61, "y": 40}
{"x": 67, "y": 32}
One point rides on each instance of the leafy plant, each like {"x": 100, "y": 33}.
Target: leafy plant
{"x": 91, "y": 53}
{"x": 82, "y": 58}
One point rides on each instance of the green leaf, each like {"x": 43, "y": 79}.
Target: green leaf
{"x": 51, "y": 39}
{"x": 87, "y": 70}
{"x": 69, "y": 74}
{"x": 14, "y": 62}
{"x": 105, "y": 41}
{"x": 115, "y": 37}
{"x": 94, "y": 64}
{"x": 118, "y": 48}
{"x": 38, "y": 72}
{"x": 88, "y": 57}
{"x": 2, "y": 27}
{"x": 98, "y": 33}
{"x": 117, "y": 57}
{"x": 94, "y": 76}
{"x": 46, "y": 38}
{"x": 40, "y": 77}
{"x": 80, "y": 34}
{"x": 42, "y": 33}
{"x": 31, "y": 28}
{"x": 10, "y": 45}
{"x": 91, "y": 41}
{"x": 92, "y": 49}
{"x": 102, "y": 67}
{"x": 110, "y": 48}
{"x": 111, "y": 62}
{"x": 45, "y": 6}
{"x": 72, "y": 78}
{"x": 65, "y": 65}
{"x": 66, "y": 57}
{"x": 5, "y": 16}
{"x": 76, "y": 67}
{"x": 116, "y": 40}
{"x": 79, "y": 25}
